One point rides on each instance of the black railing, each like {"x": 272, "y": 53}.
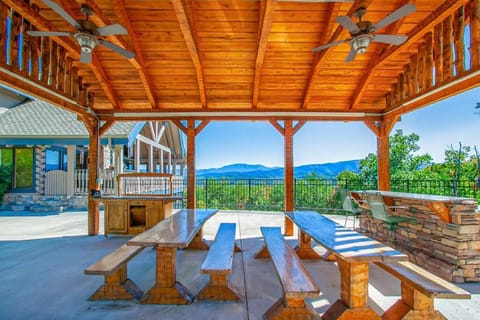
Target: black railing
{"x": 314, "y": 194}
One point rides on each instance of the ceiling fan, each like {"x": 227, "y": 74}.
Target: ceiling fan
{"x": 88, "y": 35}
{"x": 362, "y": 32}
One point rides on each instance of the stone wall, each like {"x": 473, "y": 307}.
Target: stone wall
{"x": 449, "y": 250}
{"x": 36, "y": 202}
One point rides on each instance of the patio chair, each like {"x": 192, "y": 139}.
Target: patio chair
{"x": 382, "y": 212}
{"x": 351, "y": 210}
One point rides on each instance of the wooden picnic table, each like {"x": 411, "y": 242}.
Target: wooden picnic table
{"x": 353, "y": 252}
{"x": 181, "y": 230}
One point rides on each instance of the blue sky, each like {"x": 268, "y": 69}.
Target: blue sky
{"x": 439, "y": 126}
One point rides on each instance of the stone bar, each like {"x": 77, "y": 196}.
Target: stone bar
{"x": 446, "y": 238}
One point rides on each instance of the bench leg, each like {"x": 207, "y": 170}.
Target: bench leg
{"x": 166, "y": 289}
{"x": 353, "y": 303}
{"x": 198, "y": 243}
{"x": 117, "y": 287}
{"x": 304, "y": 249}
{"x": 288, "y": 308}
{"x": 218, "y": 289}
{"x": 412, "y": 305}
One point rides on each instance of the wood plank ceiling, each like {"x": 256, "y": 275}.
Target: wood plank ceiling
{"x": 232, "y": 56}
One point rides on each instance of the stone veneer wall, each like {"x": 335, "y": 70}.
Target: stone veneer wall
{"x": 37, "y": 202}
{"x": 40, "y": 158}
{"x": 449, "y": 250}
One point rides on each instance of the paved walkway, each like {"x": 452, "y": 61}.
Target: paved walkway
{"x": 42, "y": 258}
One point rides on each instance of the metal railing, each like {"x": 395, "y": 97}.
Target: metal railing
{"x": 268, "y": 194}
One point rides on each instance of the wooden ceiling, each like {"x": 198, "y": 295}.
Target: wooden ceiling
{"x": 247, "y": 58}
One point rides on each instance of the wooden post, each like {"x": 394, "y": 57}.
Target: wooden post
{"x": 91, "y": 124}
{"x": 289, "y": 179}
{"x": 428, "y": 60}
{"x": 459, "y": 26}
{"x": 383, "y": 165}
{"x": 438, "y": 53}
{"x": 382, "y": 129}
{"x": 191, "y": 192}
{"x": 475, "y": 34}
{"x": 447, "y": 50}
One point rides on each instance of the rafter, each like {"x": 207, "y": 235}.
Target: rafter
{"x": 447, "y": 8}
{"x": 138, "y": 61}
{"x": 266, "y": 26}
{"x": 41, "y": 24}
{"x": 317, "y": 65}
{"x": 192, "y": 48}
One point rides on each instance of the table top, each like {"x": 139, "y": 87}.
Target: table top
{"x": 142, "y": 197}
{"x": 344, "y": 242}
{"x": 177, "y": 230}
{"x": 414, "y": 196}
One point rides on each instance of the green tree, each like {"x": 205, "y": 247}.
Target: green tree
{"x": 405, "y": 163}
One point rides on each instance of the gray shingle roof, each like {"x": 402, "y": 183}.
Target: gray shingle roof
{"x": 40, "y": 119}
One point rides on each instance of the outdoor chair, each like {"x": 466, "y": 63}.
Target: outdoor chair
{"x": 382, "y": 212}
{"x": 348, "y": 207}
{"x": 351, "y": 210}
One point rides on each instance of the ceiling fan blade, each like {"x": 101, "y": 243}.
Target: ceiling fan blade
{"x": 395, "y": 15}
{"x": 351, "y": 56}
{"x": 85, "y": 57}
{"x": 59, "y": 10}
{"x": 348, "y": 24}
{"x": 328, "y": 45}
{"x": 390, "y": 38}
{"x": 49, "y": 34}
{"x": 123, "y": 52}
{"x": 112, "y": 29}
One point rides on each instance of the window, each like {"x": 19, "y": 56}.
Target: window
{"x": 56, "y": 159}
{"x": 17, "y": 167}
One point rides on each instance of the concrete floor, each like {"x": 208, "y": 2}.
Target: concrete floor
{"x": 42, "y": 258}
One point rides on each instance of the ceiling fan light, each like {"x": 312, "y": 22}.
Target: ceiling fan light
{"x": 360, "y": 43}
{"x": 86, "y": 42}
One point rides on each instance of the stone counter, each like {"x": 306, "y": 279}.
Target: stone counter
{"x": 446, "y": 238}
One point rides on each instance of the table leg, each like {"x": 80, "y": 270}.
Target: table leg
{"x": 166, "y": 289}
{"x": 353, "y": 302}
{"x": 304, "y": 249}
{"x": 198, "y": 243}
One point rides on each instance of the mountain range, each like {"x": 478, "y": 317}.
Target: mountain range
{"x": 238, "y": 170}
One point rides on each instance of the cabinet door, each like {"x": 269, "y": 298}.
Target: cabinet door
{"x": 154, "y": 213}
{"x": 115, "y": 216}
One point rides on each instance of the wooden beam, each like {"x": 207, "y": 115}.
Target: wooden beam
{"x": 201, "y": 126}
{"x": 107, "y": 125}
{"x": 277, "y": 126}
{"x": 266, "y": 26}
{"x": 138, "y": 61}
{"x": 192, "y": 48}
{"x": 71, "y": 46}
{"x": 447, "y": 8}
{"x": 320, "y": 58}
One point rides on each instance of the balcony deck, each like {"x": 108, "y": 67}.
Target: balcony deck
{"x": 42, "y": 258}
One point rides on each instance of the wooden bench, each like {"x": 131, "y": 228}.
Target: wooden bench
{"x": 114, "y": 268}
{"x": 297, "y": 284}
{"x": 218, "y": 264}
{"x": 418, "y": 289}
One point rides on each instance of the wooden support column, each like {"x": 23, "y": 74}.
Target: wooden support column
{"x": 191, "y": 187}
{"x": 382, "y": 129}
{"x": 191, "y": 130}
{"x": 288, "y": 131}
{"x": 289, "y": 178}
{"x": 91, "y": 123}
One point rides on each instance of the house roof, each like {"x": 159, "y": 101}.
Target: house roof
{"x": 38, "y": 120}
